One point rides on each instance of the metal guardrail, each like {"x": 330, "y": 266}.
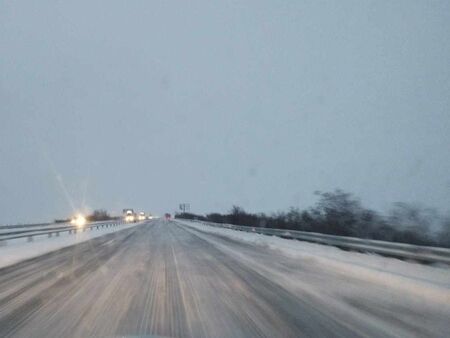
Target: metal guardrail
{"x": 425, "y": 254}
{"x": 29, "y": 225}
{"x": 52, "y": 231}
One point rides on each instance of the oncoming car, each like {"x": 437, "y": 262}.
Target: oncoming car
{"x": 78, "y": 220}
{"x": 129, "y": 215}
{"x": 141, "y": 216}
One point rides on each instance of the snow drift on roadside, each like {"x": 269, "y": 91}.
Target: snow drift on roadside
{"x": 19, "y": 249}
{"x": 428, "y": 281}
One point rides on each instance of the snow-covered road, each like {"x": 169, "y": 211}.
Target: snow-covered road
{"x": 185, "y": 280}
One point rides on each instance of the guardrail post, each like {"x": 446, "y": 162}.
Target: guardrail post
{"x": 57, "y": 234}
{"x": 30, "y": 239}
{"x": 50, "y": 234}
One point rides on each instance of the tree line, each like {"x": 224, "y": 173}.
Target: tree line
{"x": 340, "y": 213}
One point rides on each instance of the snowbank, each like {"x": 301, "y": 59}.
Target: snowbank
{"x": 432, "y": 282}
{"x": 19, "y": 249}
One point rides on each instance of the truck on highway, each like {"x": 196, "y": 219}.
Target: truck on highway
{"x": 129, "y": 216}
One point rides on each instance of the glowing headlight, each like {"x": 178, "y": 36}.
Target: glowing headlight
{"x": 79, "y": 221}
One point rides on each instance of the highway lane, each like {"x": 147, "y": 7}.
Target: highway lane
{"x": 166, "y": 279}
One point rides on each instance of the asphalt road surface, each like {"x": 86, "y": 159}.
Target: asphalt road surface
{"x": 166, "y": 279}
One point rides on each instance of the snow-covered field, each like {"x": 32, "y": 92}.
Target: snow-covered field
{"x": 19, "y": 249}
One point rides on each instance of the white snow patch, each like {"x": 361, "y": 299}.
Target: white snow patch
{"x": 19, "y": 249}
{"x": 431, "y": 282}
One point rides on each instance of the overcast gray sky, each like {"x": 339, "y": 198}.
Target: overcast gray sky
{"x": 147, "y": 104}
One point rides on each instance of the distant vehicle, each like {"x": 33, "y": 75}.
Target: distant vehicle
{"x": 141, "y": 216}
{"x": 167, "y": 216}
{"x": 78, "y": 220}
{"x": 129, "y": 215}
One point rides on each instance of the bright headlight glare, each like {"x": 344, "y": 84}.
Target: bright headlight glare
{"x": 80, "y": 221}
